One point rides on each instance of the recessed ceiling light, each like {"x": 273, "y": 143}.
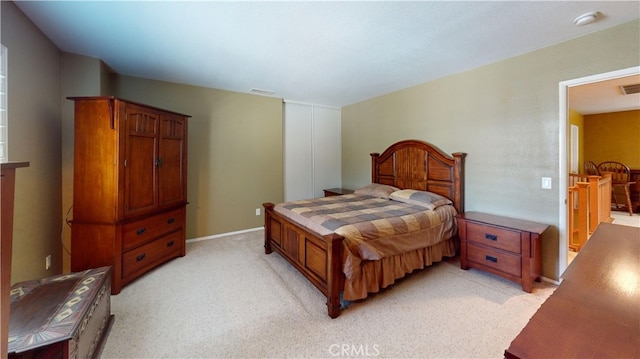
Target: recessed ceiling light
{"x": 586, "y": 19}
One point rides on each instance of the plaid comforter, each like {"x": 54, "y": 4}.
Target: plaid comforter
{"x": 373, "y": 227}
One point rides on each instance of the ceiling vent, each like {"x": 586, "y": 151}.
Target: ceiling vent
{"x": 261, "y": 91}
{"x": 630, "y": 89}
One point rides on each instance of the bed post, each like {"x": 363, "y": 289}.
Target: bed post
{"x": 374, "y": 166}
{"x": 335, "y": 276}
{"x": 458, "y": 180}
{"x": 268, "y": 207}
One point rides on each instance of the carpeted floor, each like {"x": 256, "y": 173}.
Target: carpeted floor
{"x": 227, "y": 299}
{"x": 623, "y": 218}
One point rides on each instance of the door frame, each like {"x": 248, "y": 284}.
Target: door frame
{"x": 563, "y": 178}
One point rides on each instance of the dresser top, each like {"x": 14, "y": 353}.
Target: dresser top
{"x": 594, "y": 313}
{"x": 506, "y": 222}
{"x": 10, "y": 165}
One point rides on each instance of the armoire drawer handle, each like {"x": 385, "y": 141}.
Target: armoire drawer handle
{"x": 141, "y": 230}
{"x": 170, "y": 243}
{"x": 492, "y": 237}
{"x": 140, "y": 257}
{"x": 492, "y": 259}
{"x": 171, "y": 220}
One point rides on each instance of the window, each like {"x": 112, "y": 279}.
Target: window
{"x": 4, "y": 138}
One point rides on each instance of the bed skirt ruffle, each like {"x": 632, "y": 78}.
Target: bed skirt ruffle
{"x": 379, "y": 274}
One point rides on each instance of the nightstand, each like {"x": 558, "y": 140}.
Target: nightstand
{"x": 336, "y": 192}
{"x": 507, "y": 247}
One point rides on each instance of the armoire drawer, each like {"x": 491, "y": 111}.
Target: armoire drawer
{"x": 144, "y": 230}
{"x": 145, "y": 257}
{"x": 494, "y": 237}
{"x": 498, "y": 260}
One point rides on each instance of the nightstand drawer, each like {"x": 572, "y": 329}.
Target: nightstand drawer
{"x": 494, "y": 237}
{"x": 501, "y": 261}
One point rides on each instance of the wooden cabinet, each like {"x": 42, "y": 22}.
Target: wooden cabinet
{"x": 510, "y": 248}
{"x": 130, "y": 187}
{"x": 336, "y": 192}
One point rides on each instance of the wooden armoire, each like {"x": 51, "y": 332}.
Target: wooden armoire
{"x": 130, "y": 187}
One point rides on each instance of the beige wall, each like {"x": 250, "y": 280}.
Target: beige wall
{"x": 505, "y": 116}
{"x": 613, "y": 136}
{"x": 34, "y": 136}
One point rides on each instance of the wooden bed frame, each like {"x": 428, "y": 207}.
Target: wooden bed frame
{"x": 408, "y": 164}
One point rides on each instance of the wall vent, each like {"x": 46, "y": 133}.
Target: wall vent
{"x": 630, "y": 89}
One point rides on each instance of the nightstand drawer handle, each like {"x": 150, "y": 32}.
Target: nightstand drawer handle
{"x": 170, "y": 243}
{"x": 141, "y": 231}
{"x": 140, "y": 257}
{"x": 492, "y": 237}
{"x": 492, "y": 259}
{"x": 171, "y": 220}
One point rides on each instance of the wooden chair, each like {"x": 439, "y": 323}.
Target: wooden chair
{"x": 590, "y": 168}
{"x": 620, "y": 175}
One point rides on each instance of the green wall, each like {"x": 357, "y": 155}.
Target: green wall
{"x": 505, "y": 116}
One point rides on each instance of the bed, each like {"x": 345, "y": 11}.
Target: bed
{"x": 320, "y": 246}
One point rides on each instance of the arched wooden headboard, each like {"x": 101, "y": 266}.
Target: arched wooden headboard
{"x": 414, "y": 164}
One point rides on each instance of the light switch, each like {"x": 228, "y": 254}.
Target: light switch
{"x": 546, "y": 182}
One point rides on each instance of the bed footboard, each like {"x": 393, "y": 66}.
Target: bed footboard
{"x": 319, "y": 258}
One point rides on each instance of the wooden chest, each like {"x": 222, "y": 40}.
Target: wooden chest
{"x": 65, "y": 316}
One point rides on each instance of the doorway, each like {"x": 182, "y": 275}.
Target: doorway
{"x": 564, "y": 149}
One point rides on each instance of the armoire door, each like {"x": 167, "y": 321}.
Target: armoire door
{"x": 172, "y": 169}
{"x": 140, "y": 160}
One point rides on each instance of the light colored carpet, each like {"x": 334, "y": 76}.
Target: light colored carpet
{"x": 623, "y": 218}
{"x": 228, "y": 299}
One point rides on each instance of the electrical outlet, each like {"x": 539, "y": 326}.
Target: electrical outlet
{"x": 257, "y": 211}
{"x": 546, "y": 182}
{"x": 47, "y": 262}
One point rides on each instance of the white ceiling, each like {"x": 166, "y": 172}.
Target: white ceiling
{"x": 604, "y": 96}
{"x": 327, "y": 53}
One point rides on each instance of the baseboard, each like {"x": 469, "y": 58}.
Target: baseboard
{"x": 549, "y": 280}
{"x": 224, "y": 234}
